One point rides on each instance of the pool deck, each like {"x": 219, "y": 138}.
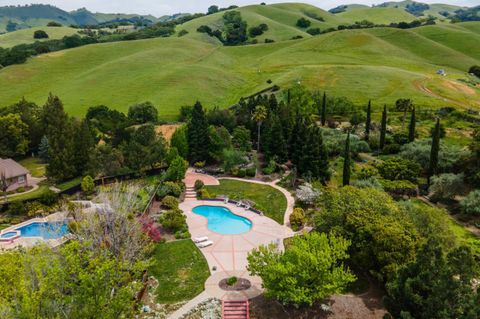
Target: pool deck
{"x": 32, "y": 241}
{"x": 227, "y": 256}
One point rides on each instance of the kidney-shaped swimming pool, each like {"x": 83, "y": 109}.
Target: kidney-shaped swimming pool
{"x": 221, "y": 220}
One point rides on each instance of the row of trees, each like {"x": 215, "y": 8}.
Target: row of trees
{"x": 105, "y": 142}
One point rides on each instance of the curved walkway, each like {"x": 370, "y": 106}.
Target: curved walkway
{"x": 286, "y": 193}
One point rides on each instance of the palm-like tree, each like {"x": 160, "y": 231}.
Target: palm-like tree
{"x": 259, "y": 115}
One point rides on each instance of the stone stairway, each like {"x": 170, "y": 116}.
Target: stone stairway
{"x": 190, "y": 193}
{"x": 235, "y": 309}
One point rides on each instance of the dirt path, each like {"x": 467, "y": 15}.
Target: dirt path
{"x": 420, "y": 86}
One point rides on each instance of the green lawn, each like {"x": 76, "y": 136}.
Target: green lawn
{"x": 180, "y": 269}
{"x": 34, "y": 165}
{"x": 381, "y": 64}
{"x": 25, "y": 36}
{"x": 68, "y": 184}
{"x": 34, "y": 194}
{"x": 269, "y": 200}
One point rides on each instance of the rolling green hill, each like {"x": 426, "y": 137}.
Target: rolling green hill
{"x": 37, "y": 15}
{"x": 11, "y": 39}
{"x": 382, "y": 64}
{"x": 378, "y": 15}
{"x": 281, "y": 19}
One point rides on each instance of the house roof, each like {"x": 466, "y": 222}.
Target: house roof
{"x": 9, "y": 168}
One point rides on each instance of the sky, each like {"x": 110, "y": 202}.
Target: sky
{"x": 168, "y": 7}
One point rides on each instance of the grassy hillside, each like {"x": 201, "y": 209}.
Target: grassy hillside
{"x": 280, "y": 18}
{"x": 11, "y": 39}
{"x": 382, "y": 64}
{"x": 378, "y": 15}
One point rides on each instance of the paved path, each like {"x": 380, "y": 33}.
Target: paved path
{"x": 204, "y": 296}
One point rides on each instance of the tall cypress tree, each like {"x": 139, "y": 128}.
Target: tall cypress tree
{"x": 346, "y": 162}
{"x": 433, "y": 165}
{"x": 368, "y": 121}
{"x": 323, "y": 114}
{"x": 383, "y": 129}
{"x": 198, "y": 136}
{"x": 411, "y": 126}
{"x": 84, "y": 144}
{"x": 59, "y": 131}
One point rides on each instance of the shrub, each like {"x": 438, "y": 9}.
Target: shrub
{"x": 475, "y": 70}
{"x": 168, "y": 188}
{"x": 40, "y": 34}
{"x": 177, "y": 169}
{"x": 53, "y": 24}
{"x": 367, "y": 172}
{"x": 182, "y": 234}
{"x": 314, "y": 31}
{"x": 471, "y": 204}
{"x": 49, "y": 198}
{"x": 297, "y": 218}
{"x": 296, "y": 37}
{"x": 391, "y": 149}
{"x": 232, "y": 281}
{"x": 182, "y": 33}
{"x": 241, "y": 173}
{"x": 419, "y": 151}
{"x": 303, "y": 23}
{"x": 399, "y": 169}
{"x": 203, "y": 193}
{"x": 368, "y": 183}
{"x": 174, "y": 221}
{"x": 306, "y": 194}
{"x": 199, "y": 184}
{"x": 37, "y": 209}
{"x": 251, "y": 171}
{"x": 271, "y": 167}
{"x": 269, "y": 40}
{"x": 170, "y": 202}
{"x": 16, "y": 208}
{"x": 20, "y": 190}
{"x": 445, "y": 186}
{"x": 88, "y": 185}
{"x": 200, "y": 164}
{"x": 399, "y": 187}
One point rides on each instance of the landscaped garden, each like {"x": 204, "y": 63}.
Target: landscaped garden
{"x": 181, "y": 271}
{"x": 266, "y": 198}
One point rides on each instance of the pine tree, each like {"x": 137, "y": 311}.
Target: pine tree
{"x": 198, "y": 135}
{"x": 319, "y": 160}
{"x": 346, "y": 162}
{"x": 43, "y": 149}
{"x": 84, "y": 145}
{"x": 273, "y": 139}
{"x": 433, "y": 165}
{"x": 58, "y": 129}
{"x": 368, "y": 121}
{"x": 383, "y": 129}
{"x": 323, "y": 115}
{"x": 411, "y": 127}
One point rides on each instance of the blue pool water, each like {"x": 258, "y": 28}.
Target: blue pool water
{"x": 8, "y": 235}
{"x": 44, "y": 229}
{"x": 221, "y": 220}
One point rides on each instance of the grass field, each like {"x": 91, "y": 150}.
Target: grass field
{"x": 381, "y": 64}
{"x": 181, "y": 271}
{"x": 34, "y": 165}
{"x": 269, "y": 200}
{"x": 25, "y": 36}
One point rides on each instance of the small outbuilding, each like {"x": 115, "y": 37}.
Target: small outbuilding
{"x": 14, "y": 174}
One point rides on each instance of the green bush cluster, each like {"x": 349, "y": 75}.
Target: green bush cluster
{"x": 175, "y": 221}
{"x": 170, "y": 202}
{"x": 169, "y": 188}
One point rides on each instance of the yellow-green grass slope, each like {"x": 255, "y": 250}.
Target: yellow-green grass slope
{"x": 25, "y": 36}
{"x": 382, "y": 64}
{"x": 378, "y": 15}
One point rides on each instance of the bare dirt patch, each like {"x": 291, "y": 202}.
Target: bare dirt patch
{"x": 455, "y": 86}
{"x": 167, "y": 130}
{"x": 365, "y": 306}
